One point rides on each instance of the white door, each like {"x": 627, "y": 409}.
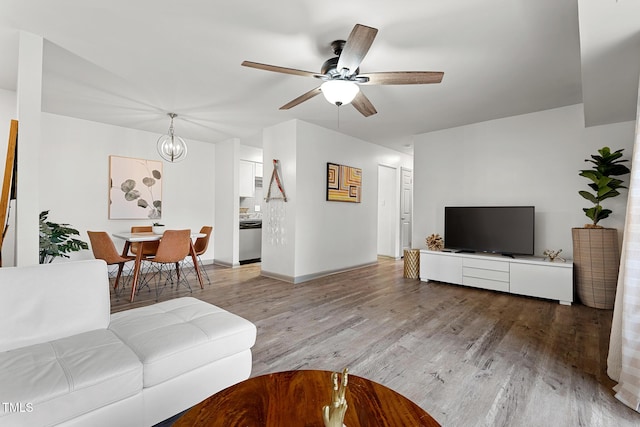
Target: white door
{"x": 387, "y": 211}
{"x": 406, "y": 207}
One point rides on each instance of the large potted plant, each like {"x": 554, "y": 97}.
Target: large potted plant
{"x": 595, "y": 248}
{"x": 56, "y": 240}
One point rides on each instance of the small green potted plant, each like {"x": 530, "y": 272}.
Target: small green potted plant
{"x": 56, "y": 240}
{"x": 595, "y": 248}
{"x": 157, "y": 228}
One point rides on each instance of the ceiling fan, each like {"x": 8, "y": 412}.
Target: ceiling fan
{"x": 341, "y": 74}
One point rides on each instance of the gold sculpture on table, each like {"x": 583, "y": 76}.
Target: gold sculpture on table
{"x": 553, "y": 255}
{"x": 435, "y": 242}
{"x": 333, "y": 414}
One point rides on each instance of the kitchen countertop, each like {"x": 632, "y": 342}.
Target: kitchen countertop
{"x": 249, "y": 219}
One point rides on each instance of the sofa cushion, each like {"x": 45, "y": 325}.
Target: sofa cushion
{"x": 65, "y": 378}
{"x": 179, "y": 335}
{"x": 46, "y": 302}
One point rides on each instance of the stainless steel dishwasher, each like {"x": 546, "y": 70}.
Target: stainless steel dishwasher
{"x": 250, "y": 242}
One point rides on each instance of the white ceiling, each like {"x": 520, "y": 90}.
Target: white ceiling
{"x": 129, "y": 63}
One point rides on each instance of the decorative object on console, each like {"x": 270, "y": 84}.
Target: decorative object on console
{"x": 333, "y": 414}
{"x": 435, "y": 242}
{"x": 157, "y": 228}
{"x": 596, "y": 253}
{"x": 553, "y": 255}
{"x": 171, "y": 147}
{"x": 56, "y": 240}
{"x": 135, "y": 180}
{"x": 344, "y": 183}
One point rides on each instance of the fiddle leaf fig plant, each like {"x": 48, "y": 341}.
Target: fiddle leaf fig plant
{"x": 56, "y": 240}
{"x": 606, "y": 165}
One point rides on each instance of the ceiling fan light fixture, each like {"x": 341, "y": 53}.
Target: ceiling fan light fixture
{"x": 339, "y": 92}
{"x": 171, "y": 147}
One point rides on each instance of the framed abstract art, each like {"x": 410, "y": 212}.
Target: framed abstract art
{"x": 344, "y": 183}
{"x": 135, "y": 188}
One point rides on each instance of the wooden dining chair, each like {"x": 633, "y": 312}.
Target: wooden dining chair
{"x": 200, "y": 247}
{"x": 104, "y": 249}
{"x": 174, "y": 247}
{"x": 150, "y": 248}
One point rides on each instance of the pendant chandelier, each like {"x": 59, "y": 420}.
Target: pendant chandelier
{"x": 171, "y": 147}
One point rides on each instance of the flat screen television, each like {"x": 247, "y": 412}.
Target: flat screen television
{"x": 507, "y": 230}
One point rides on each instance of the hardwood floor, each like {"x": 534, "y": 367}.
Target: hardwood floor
{"x": 469, "y": 357}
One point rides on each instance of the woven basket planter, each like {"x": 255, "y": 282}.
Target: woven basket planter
{"x": 596, "y": 260}
{"x": 412, "y": 263}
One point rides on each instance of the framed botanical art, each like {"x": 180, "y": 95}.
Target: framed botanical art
{"x": 344, "y": 183}
{"x": 135, "y": 188}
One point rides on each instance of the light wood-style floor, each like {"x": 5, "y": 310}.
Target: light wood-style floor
{"x": 469, "y": 357}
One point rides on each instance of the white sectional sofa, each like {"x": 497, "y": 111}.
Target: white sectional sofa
{"x": 64, "y": 359}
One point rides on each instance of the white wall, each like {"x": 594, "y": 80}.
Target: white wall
{"x": 74, "y": 177}
{"x": 250, "y": 153}
{"x": 7, "y": 113}
{"x": 532, "y": 159}
{"x": 323, "y": 237}
{"x": 333, "y": 235}
{"x": 388, "y": 208}
{"x": 29, "y": 106}
{"x": 278, "y": 246}
{"x": 250, "y": 143}
{"x": 227, "y": 202}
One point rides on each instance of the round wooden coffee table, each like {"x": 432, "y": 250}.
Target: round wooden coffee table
{"x": 296, "y": 398}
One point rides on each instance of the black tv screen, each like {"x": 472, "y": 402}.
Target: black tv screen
{"x": 505, "y": 230}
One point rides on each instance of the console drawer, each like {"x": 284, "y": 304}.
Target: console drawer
{"x": 481, "y": 273}
{"x": 486, "y": 274}
{"x": 478, "y": 282}
{"x": 486, "y": 264}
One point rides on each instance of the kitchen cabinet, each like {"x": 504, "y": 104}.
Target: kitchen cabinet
{"x": 247, "y": 178}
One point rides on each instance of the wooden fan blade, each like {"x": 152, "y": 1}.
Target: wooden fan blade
{"x": 363, "y": 105}
{"x": 301, "y": 98}
{"x": 402, "y": 77}
{"x": 356, "y": 47}
{"x": 278, "y": 69}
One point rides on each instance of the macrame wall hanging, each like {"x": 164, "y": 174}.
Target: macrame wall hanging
{"x": 276, "y": 198}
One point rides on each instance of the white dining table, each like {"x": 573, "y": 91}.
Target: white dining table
{"x": 149, "y": 236}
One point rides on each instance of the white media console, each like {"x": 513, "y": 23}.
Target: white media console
{"x": 522, "y": 275}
